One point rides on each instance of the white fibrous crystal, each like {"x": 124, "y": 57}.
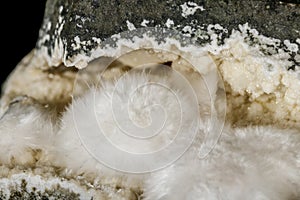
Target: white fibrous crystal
{"x": 169, "y": 23}
{"x": 190, "y": 8}
{"x": 145, "y": 22}
{"x": 130, "y": 26}
{"x": 290, "y": 46}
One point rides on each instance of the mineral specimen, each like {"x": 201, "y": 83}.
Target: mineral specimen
{"x": 156, "y": 100}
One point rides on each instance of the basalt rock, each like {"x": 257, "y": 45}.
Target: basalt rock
{"x": 68, "y": 21}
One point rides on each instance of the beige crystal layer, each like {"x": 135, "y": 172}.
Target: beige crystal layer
{"x": 258, "y": 91}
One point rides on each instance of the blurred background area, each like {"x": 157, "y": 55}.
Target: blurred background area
{"x": 20, "y": 23}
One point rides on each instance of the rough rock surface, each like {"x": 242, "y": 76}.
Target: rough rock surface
{"x": 96, "y": 20}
